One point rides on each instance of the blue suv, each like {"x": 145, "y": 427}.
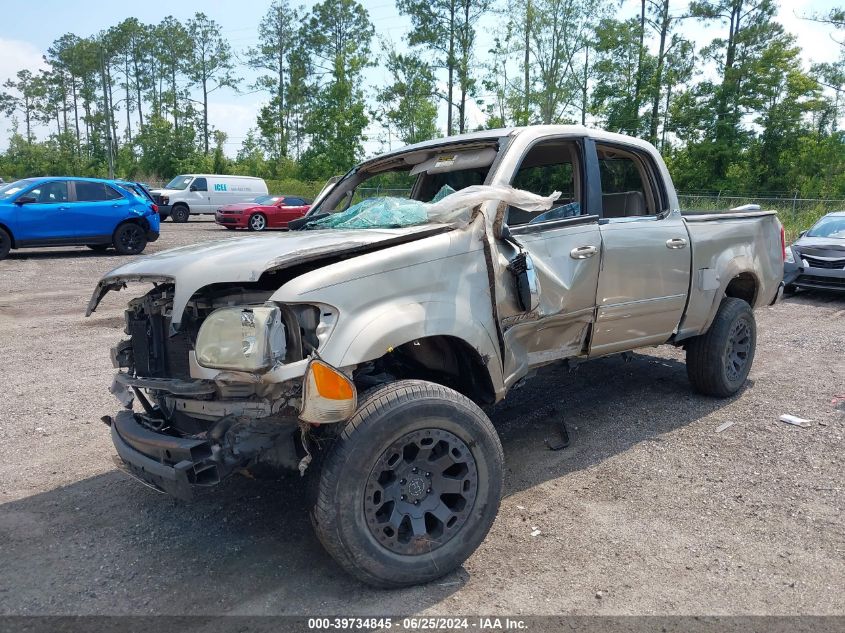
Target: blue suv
{"x": 61, "y": 211}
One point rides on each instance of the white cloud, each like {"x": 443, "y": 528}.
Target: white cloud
{"x": 234, "y": 119}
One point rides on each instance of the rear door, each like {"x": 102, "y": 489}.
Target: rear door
{"x": 564, "y": 246}
{"x": 645, "y": 268}
{"x": 97, "y": 208}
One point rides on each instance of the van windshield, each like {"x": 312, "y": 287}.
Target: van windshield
{"x": 180, "y": 182}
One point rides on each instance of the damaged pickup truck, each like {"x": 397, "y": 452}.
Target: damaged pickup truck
{"x": 362, "y": 357}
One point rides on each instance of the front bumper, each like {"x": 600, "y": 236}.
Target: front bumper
{"x": 163, "y": 211}
{"x": 152, "y": 236}
{"x": 237, "y": 221}
{"x": 818, "y": 278}
{"x": 169, "y": 464}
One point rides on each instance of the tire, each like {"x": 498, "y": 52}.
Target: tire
{"x": 257, "y": 222}
{"x": 719, "y": 360}
{"x": 99, "y": 248}
{"x": 180, "y": 214}
{"x": 790, "y": 289}
{"x": 129, "y": 239}
{"x": 360, "y": 514}
{"x": 5, "y": 243}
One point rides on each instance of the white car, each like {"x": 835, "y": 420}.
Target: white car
{"x": 204, "y": 193}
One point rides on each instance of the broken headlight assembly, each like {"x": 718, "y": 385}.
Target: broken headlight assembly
{"x": 241, "y": 339}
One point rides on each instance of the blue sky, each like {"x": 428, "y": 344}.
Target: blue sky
{"x": 28, "y": 29}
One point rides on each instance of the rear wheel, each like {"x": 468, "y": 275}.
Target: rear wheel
{"x": 129, "y": 239}
{"x": 411, "y": 486}
{"x": 180, "y": 213}
{"x": 719, "y": 360}
{"x": 257, "y": 222}
{"x": 5, "y": 244}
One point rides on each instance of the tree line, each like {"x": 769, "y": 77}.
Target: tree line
{"x": 741, "y": 113}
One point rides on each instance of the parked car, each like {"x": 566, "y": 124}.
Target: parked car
{"x": 64, "y": 211}
{"x": 204, "y": 193}
{"x": 362, "y": 357}
{"x": 264, "y": 212}
{"x": 817, "y": 258}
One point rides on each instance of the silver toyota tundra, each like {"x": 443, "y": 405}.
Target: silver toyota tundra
{"x": 362, "y": 357}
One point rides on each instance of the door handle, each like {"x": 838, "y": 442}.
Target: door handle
{"x": 676, "y": 242}
{"x": 583, "y": 252}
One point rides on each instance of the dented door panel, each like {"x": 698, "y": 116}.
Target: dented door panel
{"x": 566, "y": 259}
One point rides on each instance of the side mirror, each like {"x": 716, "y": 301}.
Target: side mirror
{"x": 803, "y": 233}
{"x": 194, "y": 188}
{"x": 527, "y": 284}
{"x": 24, "y": 200}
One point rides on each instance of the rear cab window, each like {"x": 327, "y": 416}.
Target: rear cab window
{"x": 629, "y": 183}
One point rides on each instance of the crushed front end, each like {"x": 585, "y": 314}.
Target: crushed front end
{"x": 233, "y": 384}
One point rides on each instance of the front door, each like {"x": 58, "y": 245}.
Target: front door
{"x": 47, "y": 220}
{"x": 645, "y": 268}
{"x": 564, "y": 247}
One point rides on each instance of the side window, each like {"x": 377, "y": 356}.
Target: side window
{"x": 549, "y": 166}
{"x": 50, "y": 192}
{"x": 111, "y": 193}
{"x": 294, "y": 202}
{"x": 626, "y": 184}
{"x": 200, "y": 184}
{"x": 94, "y": 191}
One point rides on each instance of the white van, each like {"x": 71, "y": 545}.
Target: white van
{"x": 205, "y": 193}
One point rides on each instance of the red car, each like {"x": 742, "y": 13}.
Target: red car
{"x": 265, "y": 212}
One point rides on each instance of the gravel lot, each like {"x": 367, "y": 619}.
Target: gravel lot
{"x": 649, "y": 511}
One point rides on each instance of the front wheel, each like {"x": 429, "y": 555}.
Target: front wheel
{"x": 5, "y": 244}
{"x": 129, "y": 239}
{"x": 719, "y": 360}
{"x": 411, "y": 486}
{"x": 257, "y": 222}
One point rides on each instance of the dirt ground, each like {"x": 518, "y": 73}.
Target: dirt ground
{"x": 649, "y": 511}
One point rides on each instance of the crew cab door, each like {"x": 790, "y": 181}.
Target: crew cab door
{"x": 645, "y": 267}
{"x": 564, "y": 247}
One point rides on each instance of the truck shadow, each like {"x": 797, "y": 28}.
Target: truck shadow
{"x": 107, "y": 545}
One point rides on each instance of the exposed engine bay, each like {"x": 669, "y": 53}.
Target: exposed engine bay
{"x": 243, "y": 421}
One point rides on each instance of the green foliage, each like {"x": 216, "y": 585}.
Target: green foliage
{"x": 134, "y": 98}
{"x": 407, "y": 105}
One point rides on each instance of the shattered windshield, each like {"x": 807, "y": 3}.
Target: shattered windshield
{"x": 833, "y": 226}
{"x": 401, "y": 190}
{"x": 13, "y": 188}
{"x": 180, "y": 182}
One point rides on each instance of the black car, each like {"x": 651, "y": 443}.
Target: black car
{"x": 817, "y": 258}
